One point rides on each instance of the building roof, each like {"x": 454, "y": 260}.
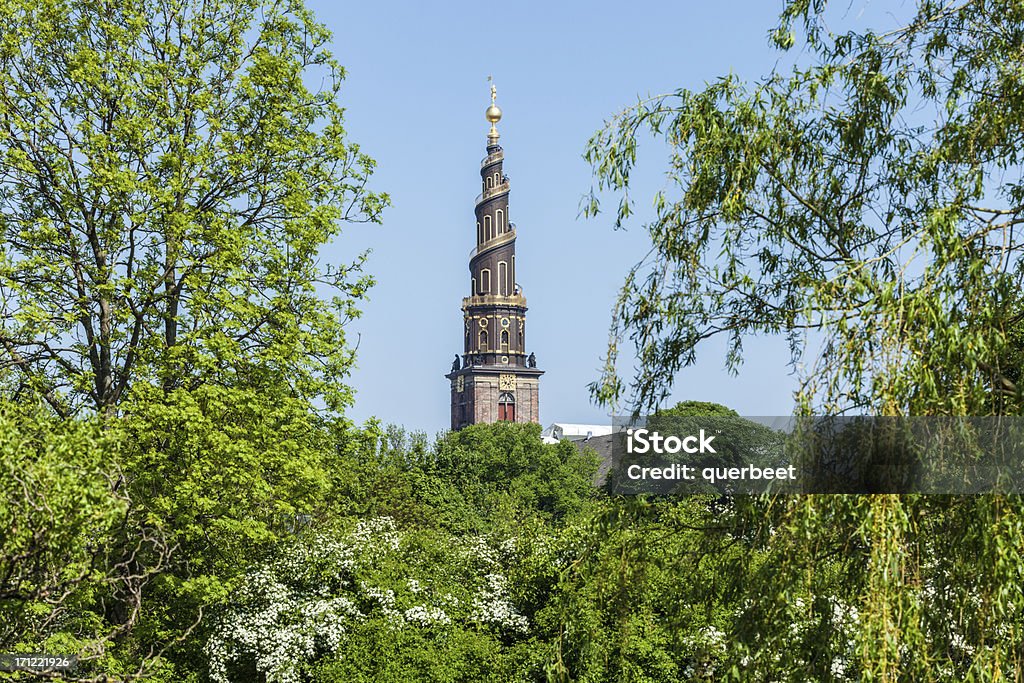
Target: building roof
{"x": 557, "y": 431}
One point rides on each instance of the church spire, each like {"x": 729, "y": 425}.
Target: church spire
{"x": 495, "y": 379}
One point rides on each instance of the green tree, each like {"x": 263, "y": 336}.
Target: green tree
{"x": 477, "y": 479}
{"x": 64, "y": 542}
{"x": 641, "y": 597}
{"x": 1007, "y": 374}
{"x": 871, "y": 196}
{"x": 167, "y": 178}
{"x": 505, "y": 467}
{"x": 868, "y": 199}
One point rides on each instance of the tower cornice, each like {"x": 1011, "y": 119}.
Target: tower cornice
{"x": 494, "y": 300}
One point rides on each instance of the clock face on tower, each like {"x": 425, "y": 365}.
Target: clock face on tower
{"x": 460, "y": 384}
{"x": 506, "y": 382}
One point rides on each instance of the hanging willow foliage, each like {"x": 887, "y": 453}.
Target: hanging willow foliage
{"x": 873, "y": 197}
{"x": 866, "y": 206}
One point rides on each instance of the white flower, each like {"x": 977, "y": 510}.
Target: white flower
{"x": 426, "y": 616}
{"x": 492, "y": 606}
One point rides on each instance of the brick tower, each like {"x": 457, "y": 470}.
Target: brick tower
{"x": 495, "y": 379}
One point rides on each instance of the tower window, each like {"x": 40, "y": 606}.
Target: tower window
{"x": 482, "y": 346}
{"x": 499, "y": 219}
{"x": 504, "y": 340}
{"x": 485, "y": 281}
{"x": 506, "y": 407}
{"x": 488, "y": 231}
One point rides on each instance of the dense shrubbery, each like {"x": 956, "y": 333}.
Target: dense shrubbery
{"x": 487, "y": 555}
{"x": 270, "y": 545}
{"x": 265, "y": 543}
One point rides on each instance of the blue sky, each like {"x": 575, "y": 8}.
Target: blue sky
{"x": 415, "y": 97}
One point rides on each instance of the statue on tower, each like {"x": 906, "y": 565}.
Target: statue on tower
{"x": 493, "y": 114}
{"x": 455, "y": 364}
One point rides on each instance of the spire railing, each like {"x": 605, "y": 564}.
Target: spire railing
{"x": 502, "y": 238}
{"x": 492, "y": 157}
{"x": 492, "y": 191}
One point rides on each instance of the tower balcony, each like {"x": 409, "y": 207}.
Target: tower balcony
{"x": 512, "y": 301}
{"x": 492, "y": 157}
{"x": 492, "y": 191}
{"x": 502, "y": 238}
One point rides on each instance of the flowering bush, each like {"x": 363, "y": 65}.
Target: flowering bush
{"x": 291, "y": 614}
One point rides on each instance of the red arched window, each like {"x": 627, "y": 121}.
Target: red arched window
{"x": 506, "y": 407}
